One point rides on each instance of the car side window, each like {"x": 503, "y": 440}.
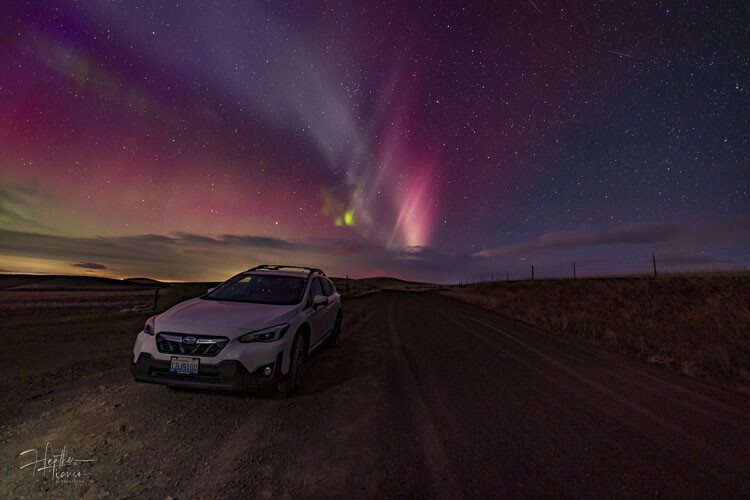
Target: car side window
{"x": 327, "y": 287}
{"x": 315, "y": 289}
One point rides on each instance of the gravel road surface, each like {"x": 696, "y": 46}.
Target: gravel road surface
{"x": 426, "y": 397}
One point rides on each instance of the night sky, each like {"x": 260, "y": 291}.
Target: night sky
{"x": 425, "y": 140}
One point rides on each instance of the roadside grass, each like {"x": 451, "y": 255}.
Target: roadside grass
{"x": 699, "y": 324}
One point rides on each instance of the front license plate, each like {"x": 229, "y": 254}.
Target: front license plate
{"x": 184, "y": 366}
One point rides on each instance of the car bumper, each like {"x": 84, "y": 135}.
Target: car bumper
{"x": 224, "y": 376}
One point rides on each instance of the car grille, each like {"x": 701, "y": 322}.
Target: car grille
{"x": 204, "y": 346}
{"x": 206, "y": 379}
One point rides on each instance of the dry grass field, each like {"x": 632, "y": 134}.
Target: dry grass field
{"x": 21, "y": 306}
{"x": 698, "y": 324}
{"x": 20, "y": 303}
{"x": 363, "y": 286}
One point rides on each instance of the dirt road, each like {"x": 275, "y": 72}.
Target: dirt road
{"x": 426, "y": 397}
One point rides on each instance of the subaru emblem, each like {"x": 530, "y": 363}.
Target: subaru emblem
{"x": 189, "y": 340}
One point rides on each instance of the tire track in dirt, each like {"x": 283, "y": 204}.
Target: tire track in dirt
{"x": 442, "y": 475}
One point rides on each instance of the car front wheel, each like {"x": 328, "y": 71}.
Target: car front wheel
{"x": 334, "y": 339}
{"x": 291, "y": 383}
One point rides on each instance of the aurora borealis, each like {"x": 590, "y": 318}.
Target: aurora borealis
{"x": 424, "y": 140}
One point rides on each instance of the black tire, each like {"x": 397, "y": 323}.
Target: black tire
{"x": 291, "y": 382}
{"x": 334, "y": 339}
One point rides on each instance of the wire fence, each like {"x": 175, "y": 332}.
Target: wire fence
{"x": 653, "y": 264}
{"x": 719, "y": 261}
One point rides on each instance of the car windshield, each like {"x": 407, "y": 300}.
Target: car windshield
{"x": 260, "y": 288}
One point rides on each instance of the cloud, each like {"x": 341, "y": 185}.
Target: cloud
{"x": 694, "y": 232}
{"x": 231, "y": 239}
{"x": 196, "y": 238}
{"x": 159, "y": 238}
{"x": 89, "y": 265}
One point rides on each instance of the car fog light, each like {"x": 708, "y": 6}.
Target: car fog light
{"x": 267, "y": 371}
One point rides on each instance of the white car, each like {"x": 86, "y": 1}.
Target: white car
{"x": 254, "y": 330}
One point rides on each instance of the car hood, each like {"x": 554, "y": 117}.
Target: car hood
{"x": 216, "y": 317}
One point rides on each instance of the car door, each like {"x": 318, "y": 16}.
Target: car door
{"x": 331, "y": 309}
{"x": 318, "y": 321}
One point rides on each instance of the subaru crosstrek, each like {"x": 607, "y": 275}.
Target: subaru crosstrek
{"x": 254, "y": 330}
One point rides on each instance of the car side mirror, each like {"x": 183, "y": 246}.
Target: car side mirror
{"x": 210, "y": 290}
{"x": 319, "y": 300}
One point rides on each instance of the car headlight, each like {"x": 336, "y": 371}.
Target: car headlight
{"x": 266, "y": 334}
{"x": 149, "y": 328}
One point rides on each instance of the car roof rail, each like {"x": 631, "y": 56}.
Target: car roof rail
{"x": 274, "y": 267}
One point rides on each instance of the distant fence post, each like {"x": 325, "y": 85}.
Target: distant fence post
{"x": 653, "y": 259}
{"x": 574, "y": 270}
{"x": 507, "y": 275}
{"x": 492, "y": 277}
{"x": 156, "y": 298}
{"x": 532, "y": 272}
{"x": 347, "y": 285}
